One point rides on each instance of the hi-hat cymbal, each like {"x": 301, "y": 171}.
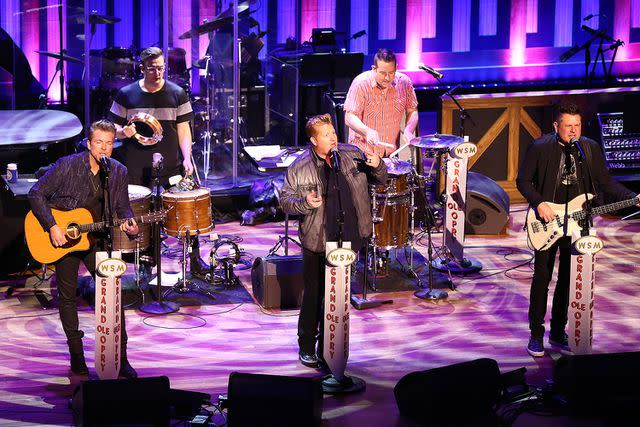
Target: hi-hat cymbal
{"x": 56, "y": 55}
{"x": 218, "y": 22}
{"x": 436, "y": 141}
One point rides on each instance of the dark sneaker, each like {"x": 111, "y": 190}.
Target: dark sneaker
{"x": 78, "y": 364}
{"x": 561, "y": 343}
{"x": 535, "y": 347}
{"x": 126, "y": 370}
{"x": 309, "y": 360}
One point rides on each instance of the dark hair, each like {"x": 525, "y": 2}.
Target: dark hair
{"x": 567, "y": 108}
{"x": 316, "y": 121}
{"x": 150, "y": 53}
{"x": 385, "y": 55}
{"x": 103, "y": 125}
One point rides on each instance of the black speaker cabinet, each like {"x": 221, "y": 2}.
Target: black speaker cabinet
{"x": 599, "y": 384}
{"x": 487, "y": 205}
{"x": 277, "y": 281}
{"x": 273, "y": 400}
{"x": 140, "y": 402}
{"x": 463, "y": 392}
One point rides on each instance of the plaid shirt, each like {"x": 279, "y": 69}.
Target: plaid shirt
{"x": 381, "y": 110}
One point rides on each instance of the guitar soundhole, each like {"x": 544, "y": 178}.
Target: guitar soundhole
{"x": 73, "y": 232}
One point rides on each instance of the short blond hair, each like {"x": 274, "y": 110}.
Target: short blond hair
{"x": 315, "y": 122}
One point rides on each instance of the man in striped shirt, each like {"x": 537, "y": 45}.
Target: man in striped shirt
{"x": 378, "y": 103}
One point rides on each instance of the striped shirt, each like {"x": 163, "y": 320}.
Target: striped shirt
{"x": 170, "y": 105}
{"x": 383, "y": 111}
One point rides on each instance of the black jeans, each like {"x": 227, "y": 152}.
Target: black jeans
{"x": 67, "y": 283}
{"x": 310, "y": 324}
{"x": 543, "y": 270}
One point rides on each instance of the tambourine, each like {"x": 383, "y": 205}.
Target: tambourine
{"x": 153, "y": 123}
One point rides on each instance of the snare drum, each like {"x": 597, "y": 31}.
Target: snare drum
{"x": 187, "y": 210}
{"x": 398, "y": 181}
{"x": 140, "y": 200}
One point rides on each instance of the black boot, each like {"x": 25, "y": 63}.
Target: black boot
{"x": 126, "y": 370}
{"x": 78, "y": 364}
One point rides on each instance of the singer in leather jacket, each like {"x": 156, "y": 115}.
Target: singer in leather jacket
{"x": 327, "y": 178}
{"x": 77, "y": 181}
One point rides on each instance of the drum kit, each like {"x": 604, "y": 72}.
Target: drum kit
{"x": 395, "y": 202}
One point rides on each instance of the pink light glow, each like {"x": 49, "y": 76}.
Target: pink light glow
{"x": 414, "y": 37}
{"x": 518, "y": 34}
{"x": 309, "y": 19}
{"x": 621, "y": 24}
{"x": 30, "y": 38}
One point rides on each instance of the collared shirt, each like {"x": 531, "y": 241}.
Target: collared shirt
{"x": 383, "y": 110}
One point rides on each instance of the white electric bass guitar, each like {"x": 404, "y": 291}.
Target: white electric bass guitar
{"x": 542, "y": 234}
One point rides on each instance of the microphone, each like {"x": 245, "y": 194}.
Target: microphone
{"x": 576, "y": 141}
{"x": 434, "y": 73}
{"x": 335, "y": 159}
{"x": 359, "y": 34}
{"x": 104, "y": 164}
{"x": 157, "y": 161}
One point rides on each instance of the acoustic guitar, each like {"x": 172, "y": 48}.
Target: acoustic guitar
{"x": 75, "y": 223}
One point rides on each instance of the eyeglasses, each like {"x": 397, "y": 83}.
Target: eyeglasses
{"x": 159, "y": 68}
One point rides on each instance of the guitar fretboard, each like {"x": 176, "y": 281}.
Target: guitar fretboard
{"x": 601, "y": 210}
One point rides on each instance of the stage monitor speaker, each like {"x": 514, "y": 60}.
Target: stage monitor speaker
{"x": 459, "y": 394}
{"x": 139, "y": 402}
{"x": 599, "y": 384}
{"x": 277, "y": 281}
{"x": 273, "y": 400}
{"x": 487, "y": 205}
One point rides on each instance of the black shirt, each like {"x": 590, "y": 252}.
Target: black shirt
{"x": 333, "y": 182}
{"x": 569, "y": 179}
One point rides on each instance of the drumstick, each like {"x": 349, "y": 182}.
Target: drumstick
{"x": 384, "y": 144}
{"x": 402, "y": 147}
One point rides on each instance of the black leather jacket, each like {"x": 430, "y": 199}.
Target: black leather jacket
{"x": 65, "y": 186}
{"x": 304, "y": 173}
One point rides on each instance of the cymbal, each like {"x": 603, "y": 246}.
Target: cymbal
{"x": 94, "y": 19}
{"x": 436, "y": 141}
{"x": 216, "y": 23}
{"x": 56, "y": 55}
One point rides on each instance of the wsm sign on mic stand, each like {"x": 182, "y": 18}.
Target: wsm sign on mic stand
{"x": 108, "y": 311}
{"x": 337, "y": 297}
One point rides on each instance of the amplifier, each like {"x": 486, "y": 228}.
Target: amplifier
{"x": 277, "y": 281}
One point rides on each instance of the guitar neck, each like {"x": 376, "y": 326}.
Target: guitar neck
{"x": 601, "y": 210}
{"x": 97, "y": 226}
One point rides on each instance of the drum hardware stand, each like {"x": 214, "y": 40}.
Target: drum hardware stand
{"x": 184, "y": 285}
{"x": 228, "y": 277}
{"x": 159, "y": 306}
{"x": 283, "y": 241}
{"x": 430, "y": 293}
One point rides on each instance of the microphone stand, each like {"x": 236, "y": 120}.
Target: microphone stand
{"x": 107, "y": 213}
{"x": 462, "y": 113}
{"x": 588, "y": 206}
{"x": 159, "y": 306}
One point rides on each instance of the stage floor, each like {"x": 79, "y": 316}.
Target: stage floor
{"x": 198, "y": 347}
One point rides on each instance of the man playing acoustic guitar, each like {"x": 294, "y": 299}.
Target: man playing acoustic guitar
{"x": 550, "y": 173}
{"x": 77, "y": 181}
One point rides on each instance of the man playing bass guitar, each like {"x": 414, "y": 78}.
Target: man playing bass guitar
{"x": 550, "y": 173}
{"x": 77, "y": 181}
